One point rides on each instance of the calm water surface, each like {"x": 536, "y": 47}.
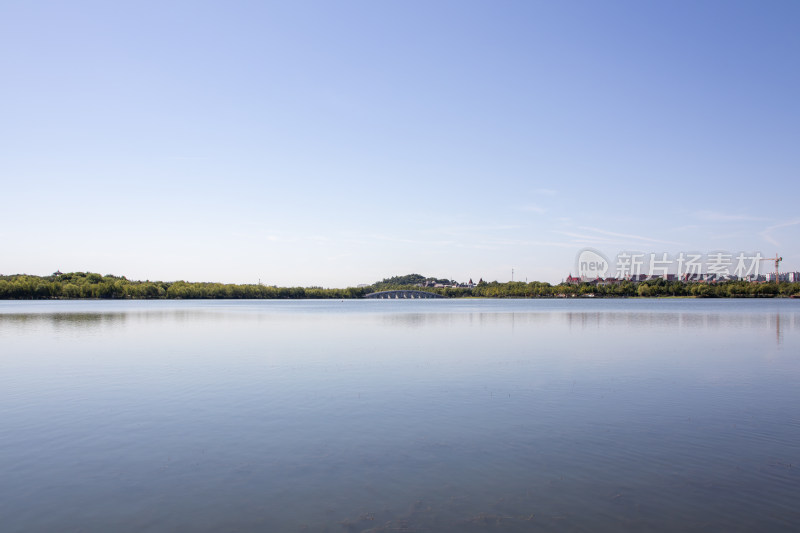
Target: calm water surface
{"x": 329, "y": 416}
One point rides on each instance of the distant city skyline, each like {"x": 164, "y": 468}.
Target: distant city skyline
{"x": 335, "y": 144}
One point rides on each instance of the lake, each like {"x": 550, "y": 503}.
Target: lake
{"x": 417, "y": 415}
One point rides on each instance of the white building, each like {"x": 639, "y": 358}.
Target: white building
{"x": 793, "y": 277}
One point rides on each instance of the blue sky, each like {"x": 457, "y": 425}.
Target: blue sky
{"x": 337, "y": 143}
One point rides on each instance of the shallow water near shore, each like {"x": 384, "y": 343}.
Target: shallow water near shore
{"x": 420, "y": 415}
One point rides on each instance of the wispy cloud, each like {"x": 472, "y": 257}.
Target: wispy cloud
{"x": 628, "y": 236}
{"x": 767, "y": 233}
{"x": 531, "y": 208}
{"x": 535, "y": 207}
{"x": 687, "y": 227}
{"x": 714, "y": 216}
{"x": 517, "y": 243}
{"x": 418, "y": 242}
{"x": 500, "y": 244}
{"x": 582, "y": 238}
{"x": 473, "y": 229}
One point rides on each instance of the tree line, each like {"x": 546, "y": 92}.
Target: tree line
{"x": 94, "y": 286}
{"x": 91, "y": 285}
{"x": 649, "y": 288}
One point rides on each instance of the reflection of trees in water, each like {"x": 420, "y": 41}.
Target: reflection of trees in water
{"x": 683, "y": 320}
{"x": 93, "y": 320}
{"x": 775, "y": 321}
{"x": 64, "y": 319}
{"x": 778, "y": 322}
{"x": 439, "y": 319}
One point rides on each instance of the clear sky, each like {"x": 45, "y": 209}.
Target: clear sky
{"x": 338, "y": 143}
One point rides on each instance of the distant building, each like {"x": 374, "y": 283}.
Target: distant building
{"x": 697, "y": 276}
{"x": 784, "y": 276}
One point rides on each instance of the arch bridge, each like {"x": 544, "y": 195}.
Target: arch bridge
{"x": 400, "y": 295}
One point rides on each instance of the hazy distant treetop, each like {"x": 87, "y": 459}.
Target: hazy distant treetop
{"x": 409, "y": 279}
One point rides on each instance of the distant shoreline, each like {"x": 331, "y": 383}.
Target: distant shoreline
{"x": 92, "y": 286}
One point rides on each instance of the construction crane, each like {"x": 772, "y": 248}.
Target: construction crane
{"x": 777, "y": 263}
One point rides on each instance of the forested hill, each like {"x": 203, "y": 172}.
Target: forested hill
{"x": 91, "y": 285}
{"x": 409, "y": 280}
